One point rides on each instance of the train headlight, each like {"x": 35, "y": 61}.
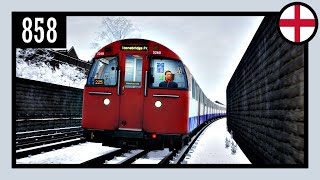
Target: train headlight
{"x": 106, "y": 102}
{"x": 158, "y": 104}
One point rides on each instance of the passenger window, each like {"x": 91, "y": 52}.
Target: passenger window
{"x": 133, "y": 72}
{"x": 104, "y": 72}
{"x": 167, "y": 73}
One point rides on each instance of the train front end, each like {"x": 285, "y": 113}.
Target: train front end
{"x": 124, "y": 103}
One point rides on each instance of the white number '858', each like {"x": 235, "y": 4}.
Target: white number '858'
{"x": 27, "y": 33}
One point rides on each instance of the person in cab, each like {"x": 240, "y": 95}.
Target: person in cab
{"x": 168, "y": 83}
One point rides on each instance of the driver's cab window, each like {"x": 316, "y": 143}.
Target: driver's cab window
{"x": 104, "y": 72}
{"x": 167, "y": 73}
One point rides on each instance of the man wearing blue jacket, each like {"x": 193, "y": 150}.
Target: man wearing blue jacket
{"x": 168, "y": 81}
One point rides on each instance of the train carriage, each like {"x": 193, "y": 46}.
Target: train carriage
{"x": 125, "y": 105}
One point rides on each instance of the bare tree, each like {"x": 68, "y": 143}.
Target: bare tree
{"x": 114, "y": 28}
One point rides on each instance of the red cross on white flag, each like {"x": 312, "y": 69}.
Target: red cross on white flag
{"x": 297, "y": 23}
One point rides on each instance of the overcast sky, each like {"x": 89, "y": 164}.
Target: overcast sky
{"x": 210, "y": 46}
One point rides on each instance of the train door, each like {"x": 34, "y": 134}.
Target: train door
{"x": 132, "y": 92}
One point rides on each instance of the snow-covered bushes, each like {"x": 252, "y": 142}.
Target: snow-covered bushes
{"x": 234, "y": 145}
{"x": 34, "y": 64}
{"x": 227, "y": 142}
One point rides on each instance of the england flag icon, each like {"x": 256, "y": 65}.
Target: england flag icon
{"x": 298, "y": 22}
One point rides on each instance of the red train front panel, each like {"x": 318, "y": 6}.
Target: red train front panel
{"x": 96, "y": 114}
{"x": 166, "y": 108}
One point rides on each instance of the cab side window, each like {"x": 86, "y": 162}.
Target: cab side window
{"x": 104, "y": 72}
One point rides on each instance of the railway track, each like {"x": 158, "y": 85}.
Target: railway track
{"x": 46, "y": 148}
{"x": 102, "y": 160}
{"x": 177, "y": 156}
{"x": 31, "y": 139}
{"x": 26, "y": 134}
{"x": 123, "y": 157}
{"x": 173, "y": 157}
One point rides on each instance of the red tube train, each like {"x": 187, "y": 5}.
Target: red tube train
{"x": 139, "y": 94}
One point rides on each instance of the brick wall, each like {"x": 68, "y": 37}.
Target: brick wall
{"x": 42, "y": 105}
{"x": 265, "y": 99}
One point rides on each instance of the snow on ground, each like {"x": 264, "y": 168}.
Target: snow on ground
{"x": 124, "y": 156}
{"x": 71, "y": 155}
{"x": 153, "y": 157}
{"x": 210, "y": 148}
